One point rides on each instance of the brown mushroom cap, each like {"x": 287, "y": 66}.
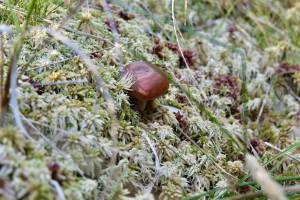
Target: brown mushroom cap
{"x": 149, "y": 81}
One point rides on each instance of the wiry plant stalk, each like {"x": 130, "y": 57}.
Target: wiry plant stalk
{"x": 11, "y": 81}
{"x": 10, "y": 87}
{"x": 149, "y": 188}
{"x": 72, "y": 12}
{"x": 31, "y": 123}
{"x": 100, "y": 84}
{"x": 272, "y": 189}
{"x": 9, "y": 92}
{"x": 208, "y": 155}
{"x": 58, "y": 189}
{"x": 252, "y": 195}
{"x": 291, "y": 157}
{"x": 3, "y": 92}
{"x": 114, "y": 30}
{"x": 1, "y": 72}
{"x": 178, "y": 42}
{"x": 74, "y": 82}
{"x": 96, "y": 37}
{"x": 112, "y": 24}
{"x": 62, "y": 24}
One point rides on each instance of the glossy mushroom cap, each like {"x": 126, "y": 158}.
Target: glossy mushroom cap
{"x": 149, "y": 81}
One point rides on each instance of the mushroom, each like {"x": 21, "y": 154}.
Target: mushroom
{"x": 149, "y": 83}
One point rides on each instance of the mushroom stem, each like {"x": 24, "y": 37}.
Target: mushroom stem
{"x": 151, "y": 105}
{"x": 141, "y": 104}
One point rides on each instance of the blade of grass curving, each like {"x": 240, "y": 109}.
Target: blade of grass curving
{"x": 100, "y": 84}
{"x": 185, "y": 11}
{"x": 116, "y": 37}
{"x": 251, "y": 183}
{"x": 3, "y": 94}
{"x": 52, "y": 144}
{"x": 73, "y": 82}
{"x": 155, "y": 18}
{"x": 13, "y": 90}
{"x": 200, "y": 105}
{"x": 203, "y": 109}
{"x": 62, "y": 24}
{"x": 271, "y": 188}
{"x": 90, "y": 66}
{"x": 176, "y": 36}
{"x": 58, "y": 189}
{"x": 11, "y": 82}
{"x": 1, "y": 65}
{"x": 13, "y": 16}
{"x": 278, "y": 179}
{"x": 10, "y": 87}
{"x": 280, "y": 150}
{"x": 150, "y": 186}
{"x": 204, "y": 194}
{"x": 72, "y": 12}
{"x": 253, "y": 195}
{"x": 244, "y": 92}
{"x": 286, "y": 152}
{"x": 210, "y": 157}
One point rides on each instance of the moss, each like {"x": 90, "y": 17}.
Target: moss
{"x": 196, "y": 131}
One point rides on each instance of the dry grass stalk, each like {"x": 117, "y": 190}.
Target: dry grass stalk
{"x": 272, "y": 189}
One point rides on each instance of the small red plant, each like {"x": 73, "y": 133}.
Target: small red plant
{"x": 111, "y": 23}
{"x": 2, "y": 183}
{"x": 181, "y": 99}
{"x": 54, "y": 168}
{"x": 231, "y": 30}
{"x": 258, "y": 146}
{"x": 96, "y": 54}
{"x": 229, "y": 82}
{"x": 189, "y": 57}
{"x": 172, "y": 46}
{"x": 126, "y": 16}
{"x": 182, "y": 122}
{"x": 286, "y": 68}
{"x": 236, "y": 113}
{"x": 157, "y": 49}
{"x": 245, "y": 188}
{"x": 36, "y": 85}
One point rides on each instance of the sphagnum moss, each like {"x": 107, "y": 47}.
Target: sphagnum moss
{"x": 180, "y": 148}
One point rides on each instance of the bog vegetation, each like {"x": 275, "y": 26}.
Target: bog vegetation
{"x": 228, "y": 126}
